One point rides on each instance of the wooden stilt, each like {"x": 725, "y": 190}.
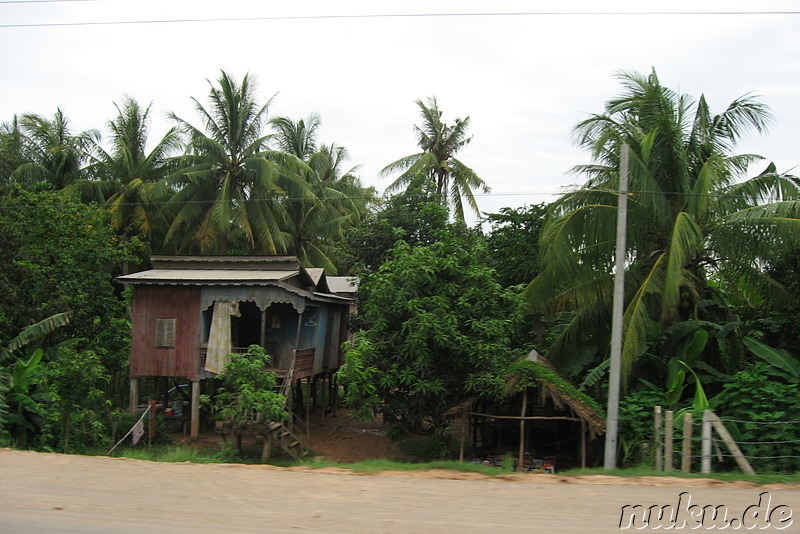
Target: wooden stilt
{"x": 521, "y": 456}
{"x": 322, "y": 389}
{"x": 263, "y": 337}
{"x": 334, "y": 393}
{"x": 583, "y": 444}
{"x": 308, "y": 406}
{"x": 195, "y": 425}
{"x": 133, "y": 398}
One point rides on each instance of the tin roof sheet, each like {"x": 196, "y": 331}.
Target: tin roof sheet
{"x": 206, "y": 275}
{"x": 343, "y": 284}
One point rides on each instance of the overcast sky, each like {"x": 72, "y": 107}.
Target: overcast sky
{"x": 525, "y": 79}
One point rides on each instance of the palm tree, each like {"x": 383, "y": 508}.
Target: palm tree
{"x": 228, "y": 188}
{"x": 127, "y": 178}
{"x": 440, "y": 143}
{"x": 52, "y": 154}
{"x": 10, "y": 151}
{"x": 337, "y": 200}
{"x": 298, "y": 138}
{"x": 694, "y": 224}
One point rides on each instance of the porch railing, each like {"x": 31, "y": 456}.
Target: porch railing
{"x": 303, "y": 360}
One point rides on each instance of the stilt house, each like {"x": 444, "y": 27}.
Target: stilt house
{"x": 191, "y": 312}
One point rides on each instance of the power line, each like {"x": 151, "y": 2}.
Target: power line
{"x": 386, "y": 16}
{"x": 279, "y": 198}
{"x": 41, "y": 1}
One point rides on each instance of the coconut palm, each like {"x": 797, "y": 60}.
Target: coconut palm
{"x": 298, "y": 138}
{"x": 337, "y": 200}
{"x": 52, "y": 153}
{"x": 228, "y": 188}
{"x": 694, "y": 222}
{"x": 440, "y": 143}
{"x": 10, "y": 150}
{"x": 128, "y": 178}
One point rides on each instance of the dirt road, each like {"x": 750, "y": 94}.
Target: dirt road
{"x": 60, "y": 493}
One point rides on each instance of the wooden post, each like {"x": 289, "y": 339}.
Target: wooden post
{"x": 195, "y": 432}
{"x": 334, "y": 394}
{"x": 668, "y": 441}
{"x": 659, "y": 442}
{"x": 263, "y": 337}
{"x": 741, "y": 461}
{"x": 151, "y": 427}
{"x": 323, "y": 390}
{"x": 583, "y": 444}
{"x": 133, "y": 398}
{"x": 686, "y": 459}
{"x": 522, "y": 429}
{"x": 464, "y": 425}
{"x": 308, "y": 407}
{"x": 705, "y": 462}
{"x": 266, "y": 451}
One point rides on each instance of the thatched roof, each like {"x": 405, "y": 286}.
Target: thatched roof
{"x": 564, "y": 396}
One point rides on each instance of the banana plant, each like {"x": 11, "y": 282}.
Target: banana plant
{"x": 25, "y": 399}
{"x": 680, "y": 366}
{"x": 783, "y": 362}
{"x": 20, "y": 405}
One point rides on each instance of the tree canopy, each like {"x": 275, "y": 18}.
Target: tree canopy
{"x": 435, "y": 328}
{"x": 440, "y": 142}
{"x": 695, "y": 223}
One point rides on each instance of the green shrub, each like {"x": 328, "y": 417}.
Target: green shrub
{"x": 759, "y": 396}
{"x": 427, "y": 449}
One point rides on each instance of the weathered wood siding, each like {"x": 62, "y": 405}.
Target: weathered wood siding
{"x": 158, "y": 302}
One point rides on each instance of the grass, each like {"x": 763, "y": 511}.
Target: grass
{"x": 380, "y": 464}
{"x": 227, "y": 454}
{"x": 166, "y": 453}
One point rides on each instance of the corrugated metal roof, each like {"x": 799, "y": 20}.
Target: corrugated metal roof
{"x": 343, "y": 284}
{"x": 206, "y": 275}
{"x": 315, "y": 273}
{"x": 256, "y": 263}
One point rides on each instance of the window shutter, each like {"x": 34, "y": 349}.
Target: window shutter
{"x": 165, "y": 332}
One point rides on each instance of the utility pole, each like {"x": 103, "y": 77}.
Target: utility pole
{"x": 612, "y": 421}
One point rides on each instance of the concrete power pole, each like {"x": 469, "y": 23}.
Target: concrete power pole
{"x": 612, "y": 421}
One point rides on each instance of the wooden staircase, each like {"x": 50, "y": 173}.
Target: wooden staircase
{"x": 273, "y": 432}
{"x": 277, "y": 432}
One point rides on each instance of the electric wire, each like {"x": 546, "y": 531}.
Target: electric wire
{"x": 393, "y": 16}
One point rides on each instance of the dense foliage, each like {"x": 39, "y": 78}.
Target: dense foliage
{"x": 59, "y": 255}
{"x": 414, "y": 216}
{"x": 712, "y": 266}
{"x": 436, "y": 328}
{"x": 764, "y": 415}
{"x": 513, "y": 241}
{"x": 698, "y": 233}
{"x": 248, "y": 395}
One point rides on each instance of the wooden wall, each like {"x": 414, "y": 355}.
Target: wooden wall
{"x": 158, "y": 301}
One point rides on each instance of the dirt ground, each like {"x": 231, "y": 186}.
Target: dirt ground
{"x": 337, "y": 438}
{"x": 48, "y": 493}
{"x": 69, "y": 493}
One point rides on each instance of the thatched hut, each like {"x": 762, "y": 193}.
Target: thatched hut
{"x": 539, "y": 412}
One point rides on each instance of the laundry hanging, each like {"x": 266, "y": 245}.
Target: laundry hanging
{"x": 219, "y": 340}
